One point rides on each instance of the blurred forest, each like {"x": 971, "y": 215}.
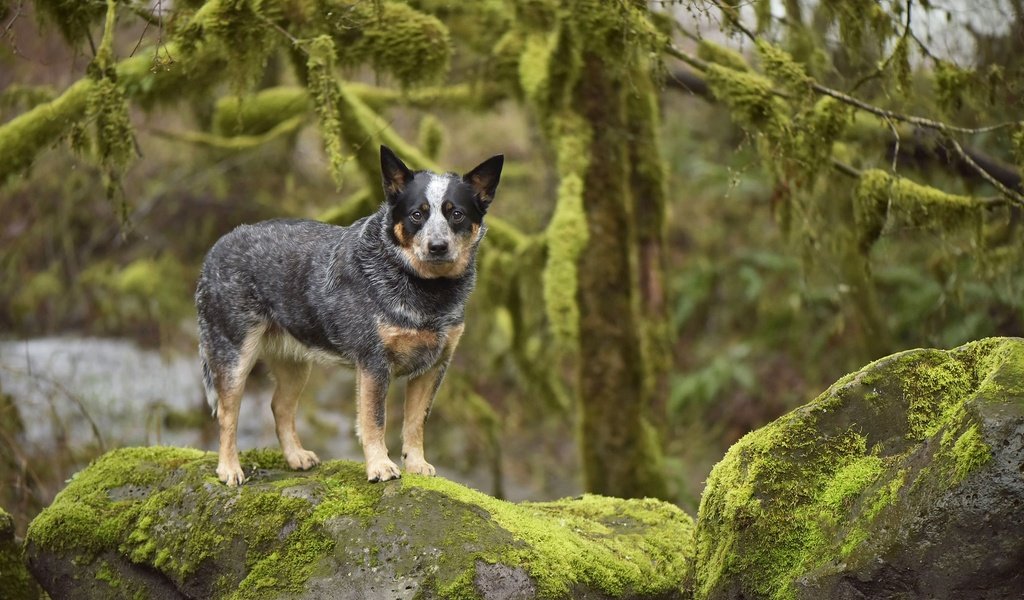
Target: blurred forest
{"x": 710, "y": 211}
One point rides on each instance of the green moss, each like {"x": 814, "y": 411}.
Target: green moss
{"x": 720, "y": 55}
{"x": 431, "y": 136}
{"x": 826, "y": 482}
{"x": 881, "y": 200}
{"x": 260, "y": 112}
{"x": 15, "y": 580}
{"x": 750, "y": 97}
{"x": 567, "y": 235}
{"x": 393, "y": 36}
{"x": 163, "y": 507}
{"x": 326, "y": 93}
{"x": 781, "y": 67}
{"x": 969, "y": 452}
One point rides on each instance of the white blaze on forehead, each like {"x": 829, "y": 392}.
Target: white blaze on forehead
{"x": 437, "y": 226}
{"x": 436, "y": 188}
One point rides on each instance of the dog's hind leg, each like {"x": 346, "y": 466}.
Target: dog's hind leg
{"x": 291, "y": 377}
{"x": 371, "y": 392}
{"x": 230, "y": 384}
{"x": 419, "y": 396}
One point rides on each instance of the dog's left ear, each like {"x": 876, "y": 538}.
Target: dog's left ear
{"x": 484, "y": 179}
{"x": 393, "y": 172}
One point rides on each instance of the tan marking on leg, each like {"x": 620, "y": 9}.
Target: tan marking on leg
{"x": 229, "y": 469}
{"x": 291, "y": 378}
{"x": 419, "y": 396}
{"x": 230, "y": 387}
{"x": 371, "y": 395}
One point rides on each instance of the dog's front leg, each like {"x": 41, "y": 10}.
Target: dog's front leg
{"x": 419, "y": 397}
{"x": 372, "y": 391}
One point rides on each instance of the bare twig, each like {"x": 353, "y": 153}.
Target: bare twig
{"x": 64, "y": 391}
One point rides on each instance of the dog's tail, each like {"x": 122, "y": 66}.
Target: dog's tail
{"x": 211, "y": 391}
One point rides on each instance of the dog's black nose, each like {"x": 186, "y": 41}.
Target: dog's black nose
{"x": 437, "y": 248}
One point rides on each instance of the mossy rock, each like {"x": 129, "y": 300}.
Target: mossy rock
{"x": 156, "y": 523}
{"x": 15, "y": 581}
{"x": 903, "y": 480}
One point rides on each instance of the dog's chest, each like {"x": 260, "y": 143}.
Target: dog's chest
{"x": 411, "y": 350}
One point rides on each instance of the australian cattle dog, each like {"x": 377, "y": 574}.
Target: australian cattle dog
{"x": 386, "y": 295}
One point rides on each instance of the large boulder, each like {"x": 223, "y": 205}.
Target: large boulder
{"x": 15, "y": 581}
{"x": 903, "y": 480}
{"x": 156, "y": 523}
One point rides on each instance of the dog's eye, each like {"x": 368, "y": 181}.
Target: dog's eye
{"x": 458, "y": 216}
{"x": 416, "y": 216}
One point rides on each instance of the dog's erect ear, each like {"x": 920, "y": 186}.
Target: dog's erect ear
{"x": 393, "y": 172}
{"x": 484, "y": 179}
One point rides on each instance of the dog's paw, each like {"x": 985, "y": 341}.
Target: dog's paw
{"x": 230, "y": 474}
{"x": 419, "y": 467}
{"x": 301, "y": 460}
{"x": 382, "y": 470}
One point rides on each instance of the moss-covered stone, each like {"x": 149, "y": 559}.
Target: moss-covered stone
{"x": 157, "y": 521}
{"x": 15, "y": 581}
{"x": 902, "y": 480}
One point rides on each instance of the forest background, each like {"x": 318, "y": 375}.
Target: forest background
{"x": 710, "y": 211}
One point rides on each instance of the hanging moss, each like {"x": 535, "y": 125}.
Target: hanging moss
{"x": 431, "y": 136}
{"x": 392, "y": 36}
{"x": 951, "y": 85}
{"x": 326, "y": 95}
{"x": 73, "y": 18}
{"x": 751, "y": 100}
{"x": 242, "y": 30}
{"x": 781, "y": 67}
{"x": 108, "y": 109}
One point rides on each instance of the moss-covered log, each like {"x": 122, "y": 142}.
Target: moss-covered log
{"x": 900, "y": 481}
{"x": 156, "y": 522}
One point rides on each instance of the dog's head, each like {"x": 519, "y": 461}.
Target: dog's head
{"x": 437, "y": 220}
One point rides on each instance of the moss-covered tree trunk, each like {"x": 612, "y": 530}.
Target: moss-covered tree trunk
{"x": 621, "y": 456}
{"x": 586, "y": 73}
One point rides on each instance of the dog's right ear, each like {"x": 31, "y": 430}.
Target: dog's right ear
{"x": 394, "y": 174}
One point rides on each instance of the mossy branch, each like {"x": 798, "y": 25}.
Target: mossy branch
{"x": 713, "y": 70}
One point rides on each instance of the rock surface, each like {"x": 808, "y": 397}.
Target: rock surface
{"x": 156, "y": 523}
{"x": 15, "y": 581}
{"x": 903, "y": 480}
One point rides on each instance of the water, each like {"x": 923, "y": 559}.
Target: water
{"x": 109, "y": 392}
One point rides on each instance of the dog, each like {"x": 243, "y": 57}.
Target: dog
{"x": 386, "y": 295}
